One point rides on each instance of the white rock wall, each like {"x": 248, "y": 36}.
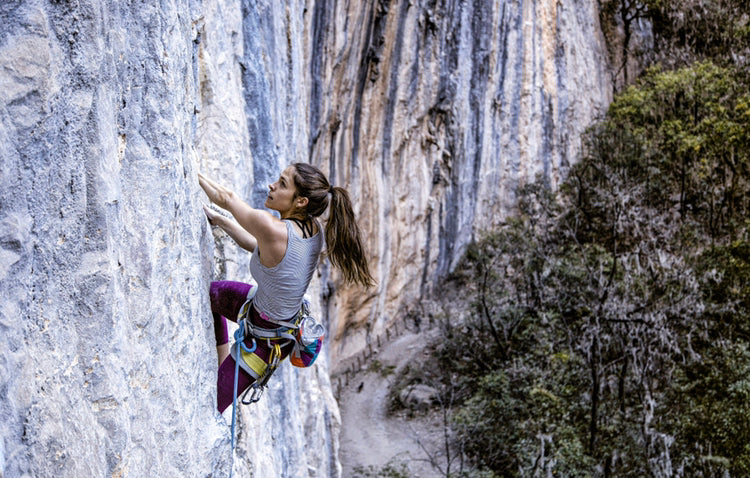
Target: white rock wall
{"x": 108, "y": 109}
{"x": 252, "y": 124}
{"x": 106, "y": 343}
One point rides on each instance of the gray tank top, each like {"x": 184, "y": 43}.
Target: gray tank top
{"x": 281, "y": 288}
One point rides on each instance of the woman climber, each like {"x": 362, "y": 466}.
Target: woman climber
{"x": 285, "y": 254}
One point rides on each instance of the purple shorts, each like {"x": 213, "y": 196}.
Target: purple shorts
{"x": 227, "y": 298}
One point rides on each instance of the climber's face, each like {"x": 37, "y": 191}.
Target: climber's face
{"x": 282, "y": 195}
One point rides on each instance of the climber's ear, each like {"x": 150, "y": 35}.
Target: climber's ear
{"x": 301, "y": 202}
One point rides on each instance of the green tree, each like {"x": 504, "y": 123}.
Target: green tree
{"x": 687, "y": 31}
{"x": 607, "y": 329}
{"x": 589, "y": 304}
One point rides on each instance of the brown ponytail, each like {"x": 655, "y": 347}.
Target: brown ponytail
{"x": 343, "y": 237}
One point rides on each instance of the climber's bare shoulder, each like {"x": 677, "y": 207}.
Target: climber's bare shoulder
{"x": 270, "y": 232}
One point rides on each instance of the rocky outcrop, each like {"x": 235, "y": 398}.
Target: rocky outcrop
{"x": 434, "y": 112}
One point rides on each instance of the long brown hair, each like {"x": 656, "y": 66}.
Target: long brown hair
{"x": 343, "y": 237}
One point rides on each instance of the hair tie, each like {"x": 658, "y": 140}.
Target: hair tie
{"x": 330, "y": 190}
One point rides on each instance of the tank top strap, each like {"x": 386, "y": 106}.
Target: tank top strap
{"x": 306, "y": 226}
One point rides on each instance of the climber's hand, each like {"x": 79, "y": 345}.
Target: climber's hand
{"x": 211, "y": 215}
{"x": 242, "y": 237}
{"x": 217, "y": 193}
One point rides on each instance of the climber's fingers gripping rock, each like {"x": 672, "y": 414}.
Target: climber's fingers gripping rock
{"x": 217, "y": 193}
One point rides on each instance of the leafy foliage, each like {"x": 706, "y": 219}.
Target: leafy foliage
{"x": 696, "y": 30}
{"x": 609, "y": 332}
{"x": 674, "y": 34}
{"x": 387, "y": 471}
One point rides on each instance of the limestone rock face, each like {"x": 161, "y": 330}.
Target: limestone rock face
{"x": 107, "y": 363}
{"x": 251, "y": 124}
{"x": 434, "y": 113}
{"x": 108, "y": 109}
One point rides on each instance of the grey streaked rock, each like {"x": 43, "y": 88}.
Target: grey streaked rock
{"x": 434, "y": 113}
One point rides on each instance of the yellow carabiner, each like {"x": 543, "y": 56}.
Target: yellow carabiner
{"x": 275, "y": 355}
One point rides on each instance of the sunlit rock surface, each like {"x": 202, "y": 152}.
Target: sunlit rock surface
{"x": 430, "y": 113}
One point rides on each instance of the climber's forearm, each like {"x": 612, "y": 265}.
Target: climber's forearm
{"x": 240, "y": 235}
{"x": 261, "y": 225}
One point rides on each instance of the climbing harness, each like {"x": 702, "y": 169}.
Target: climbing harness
{"x": 303, "y": 331}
